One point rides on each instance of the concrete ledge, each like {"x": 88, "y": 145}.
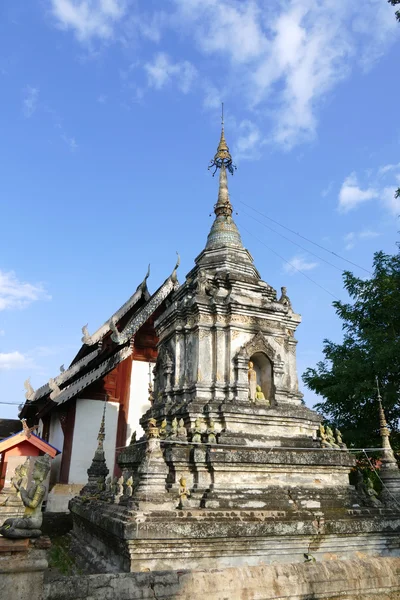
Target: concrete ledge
{"x": 21, "y": 574}
{"x": 363, "y": 579}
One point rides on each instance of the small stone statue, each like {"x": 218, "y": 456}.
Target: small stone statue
{"x": 372, "y": 494}
{"x": 211, "y": 437}
{"x": 129, "y": 487}
{"x": 184, "y": 493}
{"x": 133, "y": 439}
{"x": 152, "y": 429}
{"x": 330, "y": 437}
{"x": 252, "y": 376}
{"x": 182, "y": 433}
{"x": 151, "y": 394}
{"x": 339, "y": 439}
{"x": 260, "y": 396}
{"x": 29, "y": 525}
{"x": 197, "y": 431}
{"x": 20, "y": 477}
{"x": 174, "y": 428}
{"x": 119, "y": 489}
{"x": 259, "y": 393}
{"x": 284, "y": 299}
{"x": 323, "y": 437}
{"x": 163, "y": 429}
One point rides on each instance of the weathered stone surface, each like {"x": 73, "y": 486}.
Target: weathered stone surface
{"x": 269, "y": 487}
{"x": 362, "y": 579}
{"x": 21, "y": 574}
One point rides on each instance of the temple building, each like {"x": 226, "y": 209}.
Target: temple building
{"x": 233, "y": 468}
{"x": 68, "y": 408}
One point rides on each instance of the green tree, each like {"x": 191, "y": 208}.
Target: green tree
{"x": 371, "y": 347}
{"x": 395, "y": 3}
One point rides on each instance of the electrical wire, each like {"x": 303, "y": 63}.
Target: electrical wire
{"x": 305, "y": 238}
{"x": 289, "y": 240}
{"x": 11, "y": 403}
{"x": 291, "y": 265}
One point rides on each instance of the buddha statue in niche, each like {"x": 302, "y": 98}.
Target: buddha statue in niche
{"x": 252, "y": 376}
{"x": 260, "y": 376}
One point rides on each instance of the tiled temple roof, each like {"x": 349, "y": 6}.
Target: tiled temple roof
{"x": 103, "y": 359}
{"x": 141, "y": 291}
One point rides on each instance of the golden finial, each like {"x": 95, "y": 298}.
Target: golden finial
{"x": 223, "y": 156}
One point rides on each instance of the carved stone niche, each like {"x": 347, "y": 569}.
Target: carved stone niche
{"x": 263, "y": 356}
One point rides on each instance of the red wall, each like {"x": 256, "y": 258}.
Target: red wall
{"x": 22, "y": 449}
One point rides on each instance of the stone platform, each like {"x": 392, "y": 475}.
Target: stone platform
{"x": 22, "y": 570}
{"x": 247, "y": 505}
{"x": 360, "y": 579}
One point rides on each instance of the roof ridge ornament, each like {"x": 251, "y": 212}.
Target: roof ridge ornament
{"x": 30, "y": 392}
{"x": 174, "y": 277}
{"x": 55, "y": 390}
{"x": 222, "y": 157}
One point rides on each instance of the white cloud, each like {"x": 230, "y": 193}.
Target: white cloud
{"x": 70, "y": 141}
{"x": 249, "y": 141}
{"x": 284, "y": 57}
{"x": 17, "y": 294}
{"x": 2, "y": 332}
{"x": 326, "y": 191}
{"x": 368, "y": 234}
{"x": 353, "y": 237}
{"x": 387, "y": 168}
{"x": 89, "y": 19}
{"x": 30, "y": 100}
{"x": 299, "y": 263}
{"x": 392, "y": 204}
{"x": 162, "y": 70}
{"x": 351, "y": 195}
{"x": 14, "y": 360}
{"x": 381, "y": 185}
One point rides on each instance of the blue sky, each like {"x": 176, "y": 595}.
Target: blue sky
{"x": 110, "y": 113}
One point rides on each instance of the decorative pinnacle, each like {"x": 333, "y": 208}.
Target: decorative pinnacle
{"x": 223, "y": 206}
{"x": 388, "y": 459}
{"x": 102, "y": 431}
{"x": 223, "y": 156}
{"x": 382, "y": 419}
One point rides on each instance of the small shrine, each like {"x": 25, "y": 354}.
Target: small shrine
{"x": 233, "y": 468}
{"x": 18, "y": 454}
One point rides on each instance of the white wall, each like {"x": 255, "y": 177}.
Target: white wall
{"x": 56, "y": 439}
{"x": 87, "y": 423}
{"x": 139, "y": 397}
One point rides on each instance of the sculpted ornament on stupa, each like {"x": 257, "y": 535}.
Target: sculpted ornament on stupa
{"x": 252, "y": 375}
{"x": 29, "y": 526}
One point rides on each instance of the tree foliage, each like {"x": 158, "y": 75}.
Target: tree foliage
{"x": 395, "y": 3}
{"x": 370, "y": 348}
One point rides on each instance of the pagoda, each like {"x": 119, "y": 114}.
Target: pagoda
{"x": 234, "y": 469}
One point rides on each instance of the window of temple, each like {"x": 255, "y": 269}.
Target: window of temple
{"x": 263, "y": 368}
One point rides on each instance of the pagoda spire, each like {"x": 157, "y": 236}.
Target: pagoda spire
{"x": 388, "y": 457}
{"x": 223, "y": 231}
{"x": 98, "y": 471}
{"x": 389, "y": 472}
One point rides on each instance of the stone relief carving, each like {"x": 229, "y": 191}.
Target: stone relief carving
{"x": 257, "y": 344}
{"x": 204, "y": 333}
